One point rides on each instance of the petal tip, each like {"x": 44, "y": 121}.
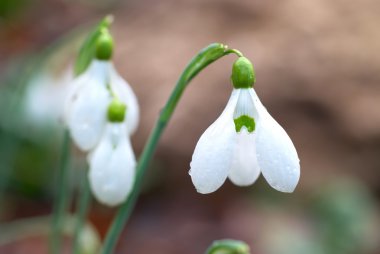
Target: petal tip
{"x": 203, "y": 191}
{"x": 287, "y": 186}
{"x": 110, "y": 203}
{"x": 286, "y": 189}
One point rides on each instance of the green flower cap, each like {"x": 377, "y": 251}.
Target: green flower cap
{"x": 228, "y": 246}
{"x": 104, "y": 45}
{"x": 243, "y": 74}
{"x": 116, "y": 111}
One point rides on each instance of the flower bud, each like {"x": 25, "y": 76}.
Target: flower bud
{"x": 228, "y": 246}
{"x": 104, "y": 45}
{"x": 243, "y": 74}
{"x": 116, "y": 111}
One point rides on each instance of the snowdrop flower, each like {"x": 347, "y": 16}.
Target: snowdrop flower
{"x": 244, "y": 141}
{"x": 44, "y": 97}
{"x": 90, "y": 94}
{"x": 112, "y": 163}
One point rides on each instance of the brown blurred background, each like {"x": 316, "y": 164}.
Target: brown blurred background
{"x": 317, "y": 65}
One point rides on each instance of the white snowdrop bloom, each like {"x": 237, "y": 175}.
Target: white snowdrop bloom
{"x": 86, "y": 105}
{"x": 44, "y": 97}
{"x": 88, "y": 99}
{"x": 244, "y": 141}
{"x": 126, "y": 95}
{"x": 112, "y": 165}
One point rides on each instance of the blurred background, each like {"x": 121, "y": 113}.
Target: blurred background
{"x": 317, "y": 65}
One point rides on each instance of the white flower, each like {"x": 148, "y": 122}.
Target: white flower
{"x": 112, "y": 166}
{"x": 44, "y": 97}
{"x": 244, "y": 141}
{"x": 88, "y": 99}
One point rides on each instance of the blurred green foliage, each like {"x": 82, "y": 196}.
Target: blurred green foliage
{"x": 29, "y": 151}
{"x": 10, "y": 8}
{"x": 340, "y": 217}
{"x": 345, "y": 215}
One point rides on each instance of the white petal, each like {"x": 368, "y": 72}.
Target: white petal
{"x": 212, "y": 156}
{"x": 87, "y": 114}
{"x": 245, "y": 169}
{"x": 245, "y": 105}
{"x": 98, "y": 70}
{"x": 72, "y": 92}
{"x": 276, "y": 153}
{"x": 126, "y": 94}
{"x": 112, "y": 166}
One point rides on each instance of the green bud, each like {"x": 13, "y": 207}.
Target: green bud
{"x": 243, "y": 74}
{"x": 228, "y": 246}
{"x": 104, "y": 45}
{"x": 116, "y": 111}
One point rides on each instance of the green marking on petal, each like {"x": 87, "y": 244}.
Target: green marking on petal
{"x": 246, "y": 121}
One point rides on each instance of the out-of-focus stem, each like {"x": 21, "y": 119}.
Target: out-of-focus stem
{"x": 82, "y": 209}
{"x": 62, "y": 200}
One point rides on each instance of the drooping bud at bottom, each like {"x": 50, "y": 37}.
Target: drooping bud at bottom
{"x": 112, "y": 166}
{"x": 228, "y": 247}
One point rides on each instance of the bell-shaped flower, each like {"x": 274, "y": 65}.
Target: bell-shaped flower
{"x": 86, "y": 105}
{"x": 88, "y": 98}
{"x": 244, "y": 141}
{"x": 125, "y": 93}
{"x": 112, "y": 162}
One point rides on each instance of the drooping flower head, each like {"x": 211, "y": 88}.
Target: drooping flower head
{"x": 112, "y": 162}
{"x": 244, "y": 141}
{"x": 90, "y": 95}
{"x": 101, "y": 113}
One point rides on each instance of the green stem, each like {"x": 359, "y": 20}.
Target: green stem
{"x": 205, "y": 57}
{"x": 82, "y": 207}
{"x": 234, "y": 51}
{"x": 8, "y": 150}
{"x": 63, "y": 196}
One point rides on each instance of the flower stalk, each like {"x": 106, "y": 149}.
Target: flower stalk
{"x": 204, "y": 58}
{"x": 82, "y": 209}
{"x": 63, "y": 196}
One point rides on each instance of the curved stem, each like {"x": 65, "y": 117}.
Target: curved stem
{"x": 82, "y": 209}
{"x": 205, "y": 57}
{"x": 234, "y": 51}
{"x": 63, "y": 196}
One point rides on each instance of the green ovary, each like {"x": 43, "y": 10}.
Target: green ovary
{"x": 246, "y": 121}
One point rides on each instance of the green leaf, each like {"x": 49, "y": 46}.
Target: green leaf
{"x": 87, "y": 51}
